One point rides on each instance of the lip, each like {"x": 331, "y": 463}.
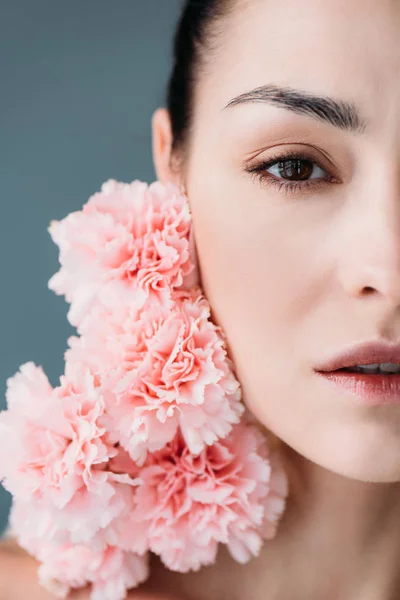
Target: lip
{"x": 372, "y": 390}
{"x": 369, "y": 389}
{"x": 362, "y": 354}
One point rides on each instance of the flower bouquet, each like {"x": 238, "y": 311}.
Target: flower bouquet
{"x": 145, "y": 446}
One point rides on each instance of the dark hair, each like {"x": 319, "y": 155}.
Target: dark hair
{"x": 193, "y": 38}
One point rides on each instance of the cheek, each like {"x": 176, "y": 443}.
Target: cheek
{"x": 253, "y": 273}
{"x": 260, "y": 277}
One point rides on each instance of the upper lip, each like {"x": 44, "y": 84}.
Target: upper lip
{"x": 363, "y": 354}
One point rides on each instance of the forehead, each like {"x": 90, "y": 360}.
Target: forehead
{"x": 343, "y": 48}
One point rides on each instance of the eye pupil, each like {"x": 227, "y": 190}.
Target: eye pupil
{"x": 295, "y": 168}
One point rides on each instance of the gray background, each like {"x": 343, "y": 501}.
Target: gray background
{"x": 79, "y": 83}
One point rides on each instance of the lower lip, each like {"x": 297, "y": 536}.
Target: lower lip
{"x": 373, "y": 389}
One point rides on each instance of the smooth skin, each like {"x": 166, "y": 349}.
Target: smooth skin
{"x": 295, "y": 277}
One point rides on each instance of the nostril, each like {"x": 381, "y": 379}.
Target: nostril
{"x": 369, "y": 290}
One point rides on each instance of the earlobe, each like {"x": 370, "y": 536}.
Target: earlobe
{"x": 162, "y": 144}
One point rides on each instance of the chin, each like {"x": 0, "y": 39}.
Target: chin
{"x": 363, "y": 451}
{"x": 328, "y": 429}
{"x": 371, "y": 457}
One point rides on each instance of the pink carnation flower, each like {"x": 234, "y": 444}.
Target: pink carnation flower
{"x": 83, "y": 521}
{"x": 167, "y": 369}
{"x": 107, "y": 334}
{"x": 58, "y": 452}
{"x": 228, "y": 494}
{"x": 131, "y": 237}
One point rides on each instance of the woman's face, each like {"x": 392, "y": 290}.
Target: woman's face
{"x": 294, "y": 276}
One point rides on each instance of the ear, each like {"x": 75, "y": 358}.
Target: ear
{"x": 162, "y": 144}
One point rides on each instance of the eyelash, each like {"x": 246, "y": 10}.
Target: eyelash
{"x": 258, "y": 172}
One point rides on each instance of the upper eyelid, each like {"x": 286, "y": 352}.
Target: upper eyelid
{"x": 296, "y": 148}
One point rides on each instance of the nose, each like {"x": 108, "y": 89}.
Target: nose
{"x": 369, "y": 263}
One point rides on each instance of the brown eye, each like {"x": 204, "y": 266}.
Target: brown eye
{"x": 296, "y": 169}
{"x": 291, "y": 173}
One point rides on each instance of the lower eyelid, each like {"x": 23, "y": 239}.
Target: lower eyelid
{"x": 295, "y": 187}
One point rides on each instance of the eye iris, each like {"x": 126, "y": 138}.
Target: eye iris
{"x": 295, "y": 168}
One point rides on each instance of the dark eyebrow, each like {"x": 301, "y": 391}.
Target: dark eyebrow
{"x": 339, "y": 113}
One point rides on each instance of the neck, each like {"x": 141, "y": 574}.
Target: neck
{"x": 337, "y": 538}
